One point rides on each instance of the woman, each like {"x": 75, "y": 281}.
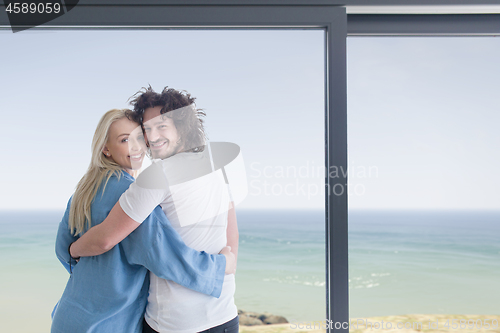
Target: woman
{"x": 108, "y": 293}
{"x": 195, "y": 198}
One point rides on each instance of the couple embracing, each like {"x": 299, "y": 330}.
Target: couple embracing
{"x": 157, "y": 253}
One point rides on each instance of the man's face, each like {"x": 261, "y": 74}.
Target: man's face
{"x": 161, "y": 133}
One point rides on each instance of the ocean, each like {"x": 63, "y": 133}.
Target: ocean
{"x": 400, "y": 262}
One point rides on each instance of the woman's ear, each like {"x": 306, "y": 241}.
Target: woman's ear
{"x": 105, "y": 151}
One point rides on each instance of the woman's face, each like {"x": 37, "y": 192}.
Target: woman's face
{"x": 126, "y": 145}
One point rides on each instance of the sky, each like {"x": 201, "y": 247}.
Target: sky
{"x": 422, "y": 112}
{"x": 426, "y": 112}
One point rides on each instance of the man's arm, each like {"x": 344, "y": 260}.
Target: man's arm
{"x": 104, "y": 236}
{"x": 232, "y": 233}
{"x": 134, "y": 205}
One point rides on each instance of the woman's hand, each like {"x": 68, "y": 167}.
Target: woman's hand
{"x": 230, "y": 260}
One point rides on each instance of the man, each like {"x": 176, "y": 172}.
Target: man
{"x": 194, "y": 197}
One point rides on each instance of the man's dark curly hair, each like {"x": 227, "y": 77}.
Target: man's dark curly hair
{"x": 189, "y": 122}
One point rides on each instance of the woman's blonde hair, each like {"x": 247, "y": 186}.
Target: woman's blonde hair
{"x": 100, "y": 167}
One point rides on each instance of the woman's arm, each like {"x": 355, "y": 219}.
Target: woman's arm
{"x": 118, "y": 225}
{"x": 104, "y": 236}
{"x": 158, "y": 247}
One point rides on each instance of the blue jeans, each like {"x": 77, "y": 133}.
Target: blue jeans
{"x": 231, "y": 326}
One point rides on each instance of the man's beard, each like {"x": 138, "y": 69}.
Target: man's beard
{"x": 166, "y": 154}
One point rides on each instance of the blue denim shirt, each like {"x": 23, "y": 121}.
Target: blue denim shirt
{"x": 108, "y": 293}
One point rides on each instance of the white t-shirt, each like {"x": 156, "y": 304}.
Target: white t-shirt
{"x": 196, "y": 201}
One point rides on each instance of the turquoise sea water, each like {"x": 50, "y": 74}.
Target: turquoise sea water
{"x": 400, "y": 263}
{"x": 424, "y": 262}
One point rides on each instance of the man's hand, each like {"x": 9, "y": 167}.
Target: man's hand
{"x": 71, "y": 254}
{"x": 230, "y": 260}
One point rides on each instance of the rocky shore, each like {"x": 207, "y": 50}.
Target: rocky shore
{"x": 407, "y": 324}
{"x": 254, "y": 318}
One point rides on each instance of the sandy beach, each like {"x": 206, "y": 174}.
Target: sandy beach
{"x": 414, "y": 323}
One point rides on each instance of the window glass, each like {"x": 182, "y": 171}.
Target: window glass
{"x": 423, "y": 154}
{"x": 263, "y": 90}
